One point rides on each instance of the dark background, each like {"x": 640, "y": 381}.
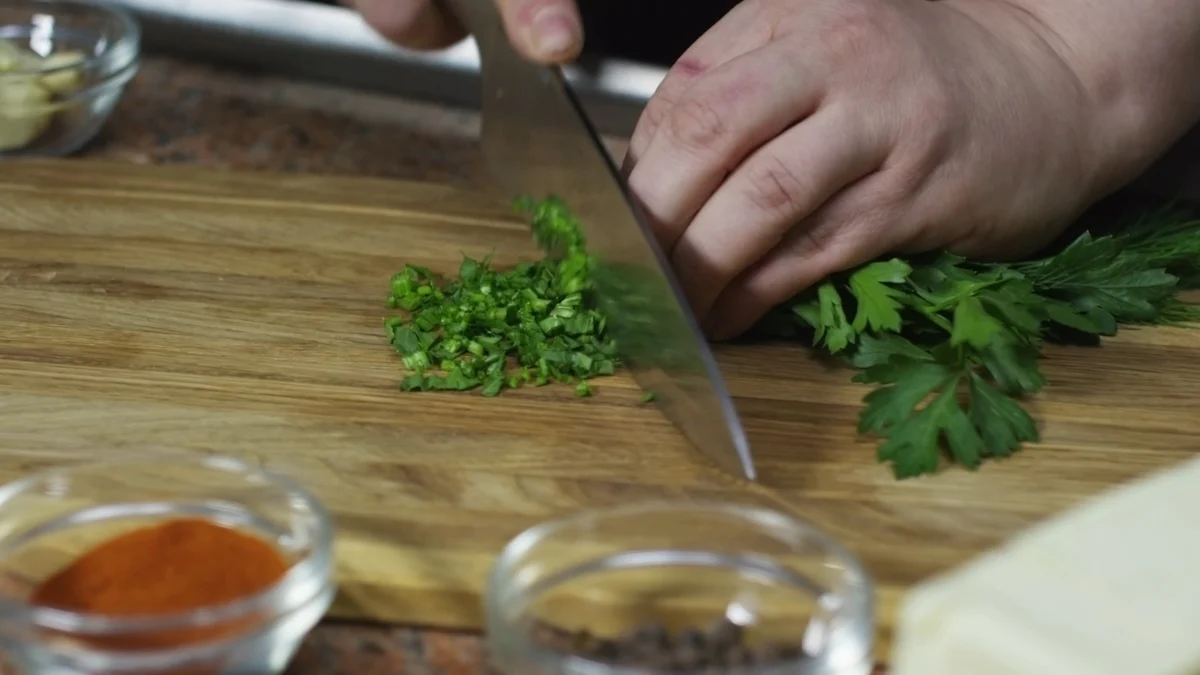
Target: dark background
{"x": 648, "y": 31}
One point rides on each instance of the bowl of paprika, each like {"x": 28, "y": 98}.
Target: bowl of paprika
{"x": 164, "y": 564}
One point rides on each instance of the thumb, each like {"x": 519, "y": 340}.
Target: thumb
{"x": 416, "y": 24}
{"x": 545, "y": 31}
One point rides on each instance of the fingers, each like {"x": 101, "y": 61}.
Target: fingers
{"x": 738, "y": 33}
{"x": 677, "y": 80}
{"x": 856, "y": 226}
{"x": 711, "y": 129}
{"x": 544, "y": 31}
{"x": 776, "y": 188}
{"x": 416, "y": 24}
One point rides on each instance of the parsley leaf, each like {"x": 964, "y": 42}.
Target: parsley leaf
{"x": 907, "y": 384}
{"x": 951, "y": 346}
{"x": 973, "y": 325}
{"x": 1001, "y": 422}
{"x": 833, "y": 329}
{"x": 875, "y": 350}
{"x": 913, "y": 445}
{"x": 493, "y": 330}
{"x": 878, "y": 304}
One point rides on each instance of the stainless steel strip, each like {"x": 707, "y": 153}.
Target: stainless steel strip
{"x": 333, "y": 44}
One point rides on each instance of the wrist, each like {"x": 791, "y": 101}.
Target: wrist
{"x": 1135, "y": 101}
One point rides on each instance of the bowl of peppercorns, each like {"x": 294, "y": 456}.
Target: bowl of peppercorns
{"x": 673, "y": 588}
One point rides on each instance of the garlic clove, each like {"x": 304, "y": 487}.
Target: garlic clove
{"x": 24, "y": 111}
{"x": 10, "y": 56}
{"x": 67, "y": 80}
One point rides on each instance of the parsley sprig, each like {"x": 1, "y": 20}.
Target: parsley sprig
{"x": 950, "y": 345}
{"x": 953, "y": 346}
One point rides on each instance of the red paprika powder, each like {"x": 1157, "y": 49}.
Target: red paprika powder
{"x": 171, "y": 567}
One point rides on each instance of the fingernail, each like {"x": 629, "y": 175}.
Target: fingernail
{"x": 555, "y": 33}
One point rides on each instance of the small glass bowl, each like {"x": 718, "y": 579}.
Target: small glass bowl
{"x": 63, "y": 66}
{"x": 49, "y": 519}
{"x": 662, "y": 588}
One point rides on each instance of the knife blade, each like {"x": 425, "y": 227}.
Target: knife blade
{"x": 538, "y": 141}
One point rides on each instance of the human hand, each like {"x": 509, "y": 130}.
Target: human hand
{"x": 798, "y": 138}
{"x": 545, "y": 31}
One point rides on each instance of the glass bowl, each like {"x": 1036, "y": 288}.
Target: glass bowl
{"x": 63, "y": 66}
{"x": 49, "y": 519}
{"x": 665, "y": 588}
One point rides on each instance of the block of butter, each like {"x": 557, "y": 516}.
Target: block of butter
{"x": 1109, "y": 588}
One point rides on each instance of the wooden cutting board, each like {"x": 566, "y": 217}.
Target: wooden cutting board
{"x": 241, "y": 314}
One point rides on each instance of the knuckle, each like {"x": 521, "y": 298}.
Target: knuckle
{"x": 767, "y": 21}
{"x": 654, "y": 114}
{"x": 698, "y": 125}
{"x": 936, "y": 103}
{"x": 659, "y": 108}
{"x": 931, "y": 130}
{"x": 892, "y": 196}
{"x": 392, "y": 18}
{"x": 814, "y": 241}
{"x": 905, "y": 173}
{"x": 835, "y": 245}
{"x": 857, "y": 27}
{"x": 775, "y": 186}
{"x": 649, "y": 122}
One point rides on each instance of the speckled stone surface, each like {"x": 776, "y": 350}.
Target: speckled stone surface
{"x": 185, "y": 113}
{"x": 337, "y": 648}
{"x": 177, "y": 112}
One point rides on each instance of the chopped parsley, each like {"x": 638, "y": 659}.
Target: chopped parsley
{"x": 950, "y": 346}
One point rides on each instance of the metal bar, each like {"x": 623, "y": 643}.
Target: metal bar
{"x": 332, "y": 44}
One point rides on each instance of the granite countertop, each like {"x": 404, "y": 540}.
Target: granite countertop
{"x": 176, "y": 112}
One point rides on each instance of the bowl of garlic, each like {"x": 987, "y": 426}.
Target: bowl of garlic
{"x": 63, "y": 66}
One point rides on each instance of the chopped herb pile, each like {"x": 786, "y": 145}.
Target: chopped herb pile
{"x": 950, "y": 346}
{"x": 494, "y": 329}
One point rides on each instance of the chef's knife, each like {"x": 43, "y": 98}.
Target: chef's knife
{"x": 538, "y": 141}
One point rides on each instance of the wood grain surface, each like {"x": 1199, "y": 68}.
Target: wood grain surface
{"x": 241, "y": 314}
